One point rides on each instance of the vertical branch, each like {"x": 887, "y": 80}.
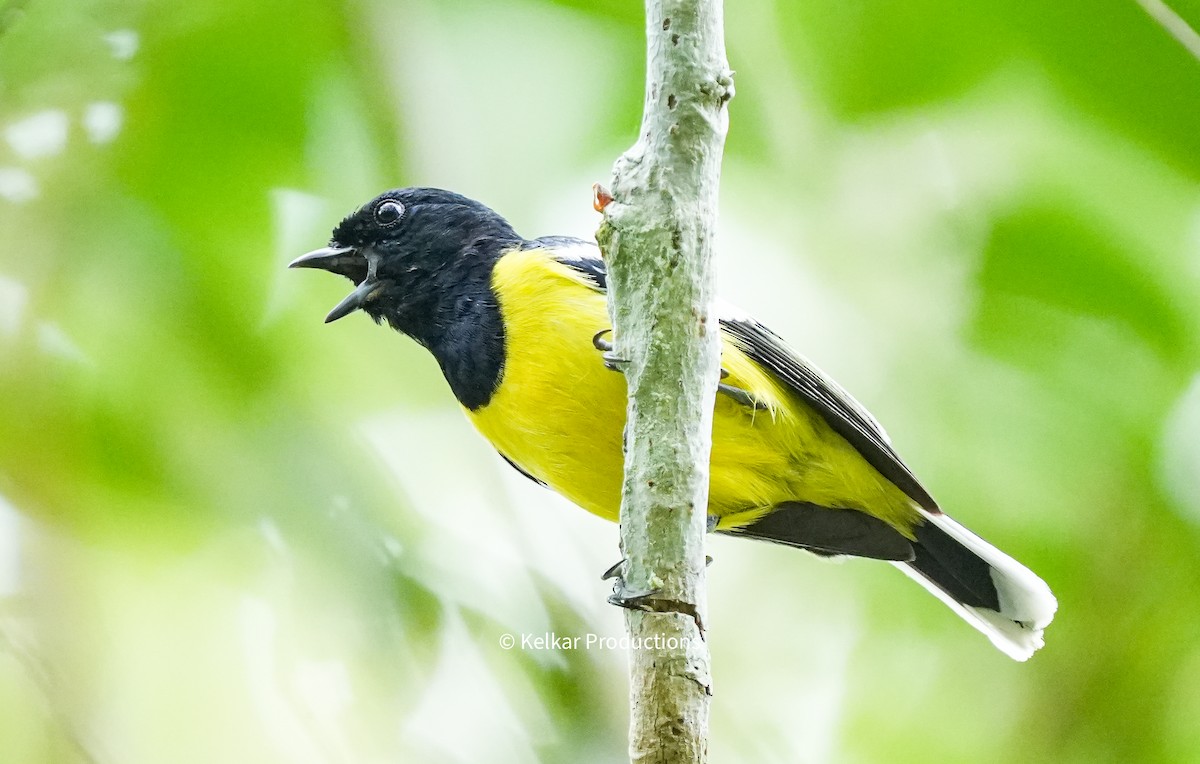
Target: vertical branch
{"x": 657, "y": 238}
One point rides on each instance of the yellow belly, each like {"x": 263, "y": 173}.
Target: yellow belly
{"x": 559, "y": 413}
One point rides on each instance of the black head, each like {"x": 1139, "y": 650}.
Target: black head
{"x": 405, "y": 248}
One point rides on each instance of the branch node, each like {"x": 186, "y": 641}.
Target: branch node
{"x": 601, "y": 196}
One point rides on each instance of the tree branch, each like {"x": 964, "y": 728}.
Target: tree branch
{"x": 657, "y": 238}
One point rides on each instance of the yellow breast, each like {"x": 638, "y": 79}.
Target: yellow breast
{"x": 558, "y": 412}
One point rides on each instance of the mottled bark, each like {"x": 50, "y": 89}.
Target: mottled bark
{"x": 657, "y": 237}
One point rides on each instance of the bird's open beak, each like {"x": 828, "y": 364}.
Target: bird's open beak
{"x": 344, "y": 261}
{"x": 355, "y": 300}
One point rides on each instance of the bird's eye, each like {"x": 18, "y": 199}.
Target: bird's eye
{"x": 388, "y": 212}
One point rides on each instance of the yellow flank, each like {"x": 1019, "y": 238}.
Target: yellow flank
{"x": 559, "y": 414}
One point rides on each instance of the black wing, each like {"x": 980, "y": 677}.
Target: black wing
{"x": 845, "y": 415}
{"x": 838, "y": 408}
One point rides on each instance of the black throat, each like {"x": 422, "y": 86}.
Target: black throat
{"x": 453, "y": 312}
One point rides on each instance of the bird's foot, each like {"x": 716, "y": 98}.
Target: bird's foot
{"x": 649, "y": 600}
{"x": 623, "y": 596}
{"x": 634, "y": 600}
{"x": 612, "y": 362}
{"x": 741, "y": 396}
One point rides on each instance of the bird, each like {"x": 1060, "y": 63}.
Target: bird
{"x": 518, "y": 327}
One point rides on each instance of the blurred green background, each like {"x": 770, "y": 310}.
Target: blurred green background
{"x": 230, "y": 533}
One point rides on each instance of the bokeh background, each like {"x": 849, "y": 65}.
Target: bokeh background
{"x": 231, "y": 533}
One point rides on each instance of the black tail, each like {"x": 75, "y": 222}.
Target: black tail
{"x": 990, "y": 590}
{"x": 954, "y": 568}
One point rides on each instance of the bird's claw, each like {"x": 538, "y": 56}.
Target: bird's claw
{"x": 612, "y": 362}
{"x": 738, "y": 394}
{"x": 624, "y": 597}
{"x": 741, "y": 396}
{"x": 599, "y": 342}
{"x": 633, "y": 600}
{"x": 615, "y": 571}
